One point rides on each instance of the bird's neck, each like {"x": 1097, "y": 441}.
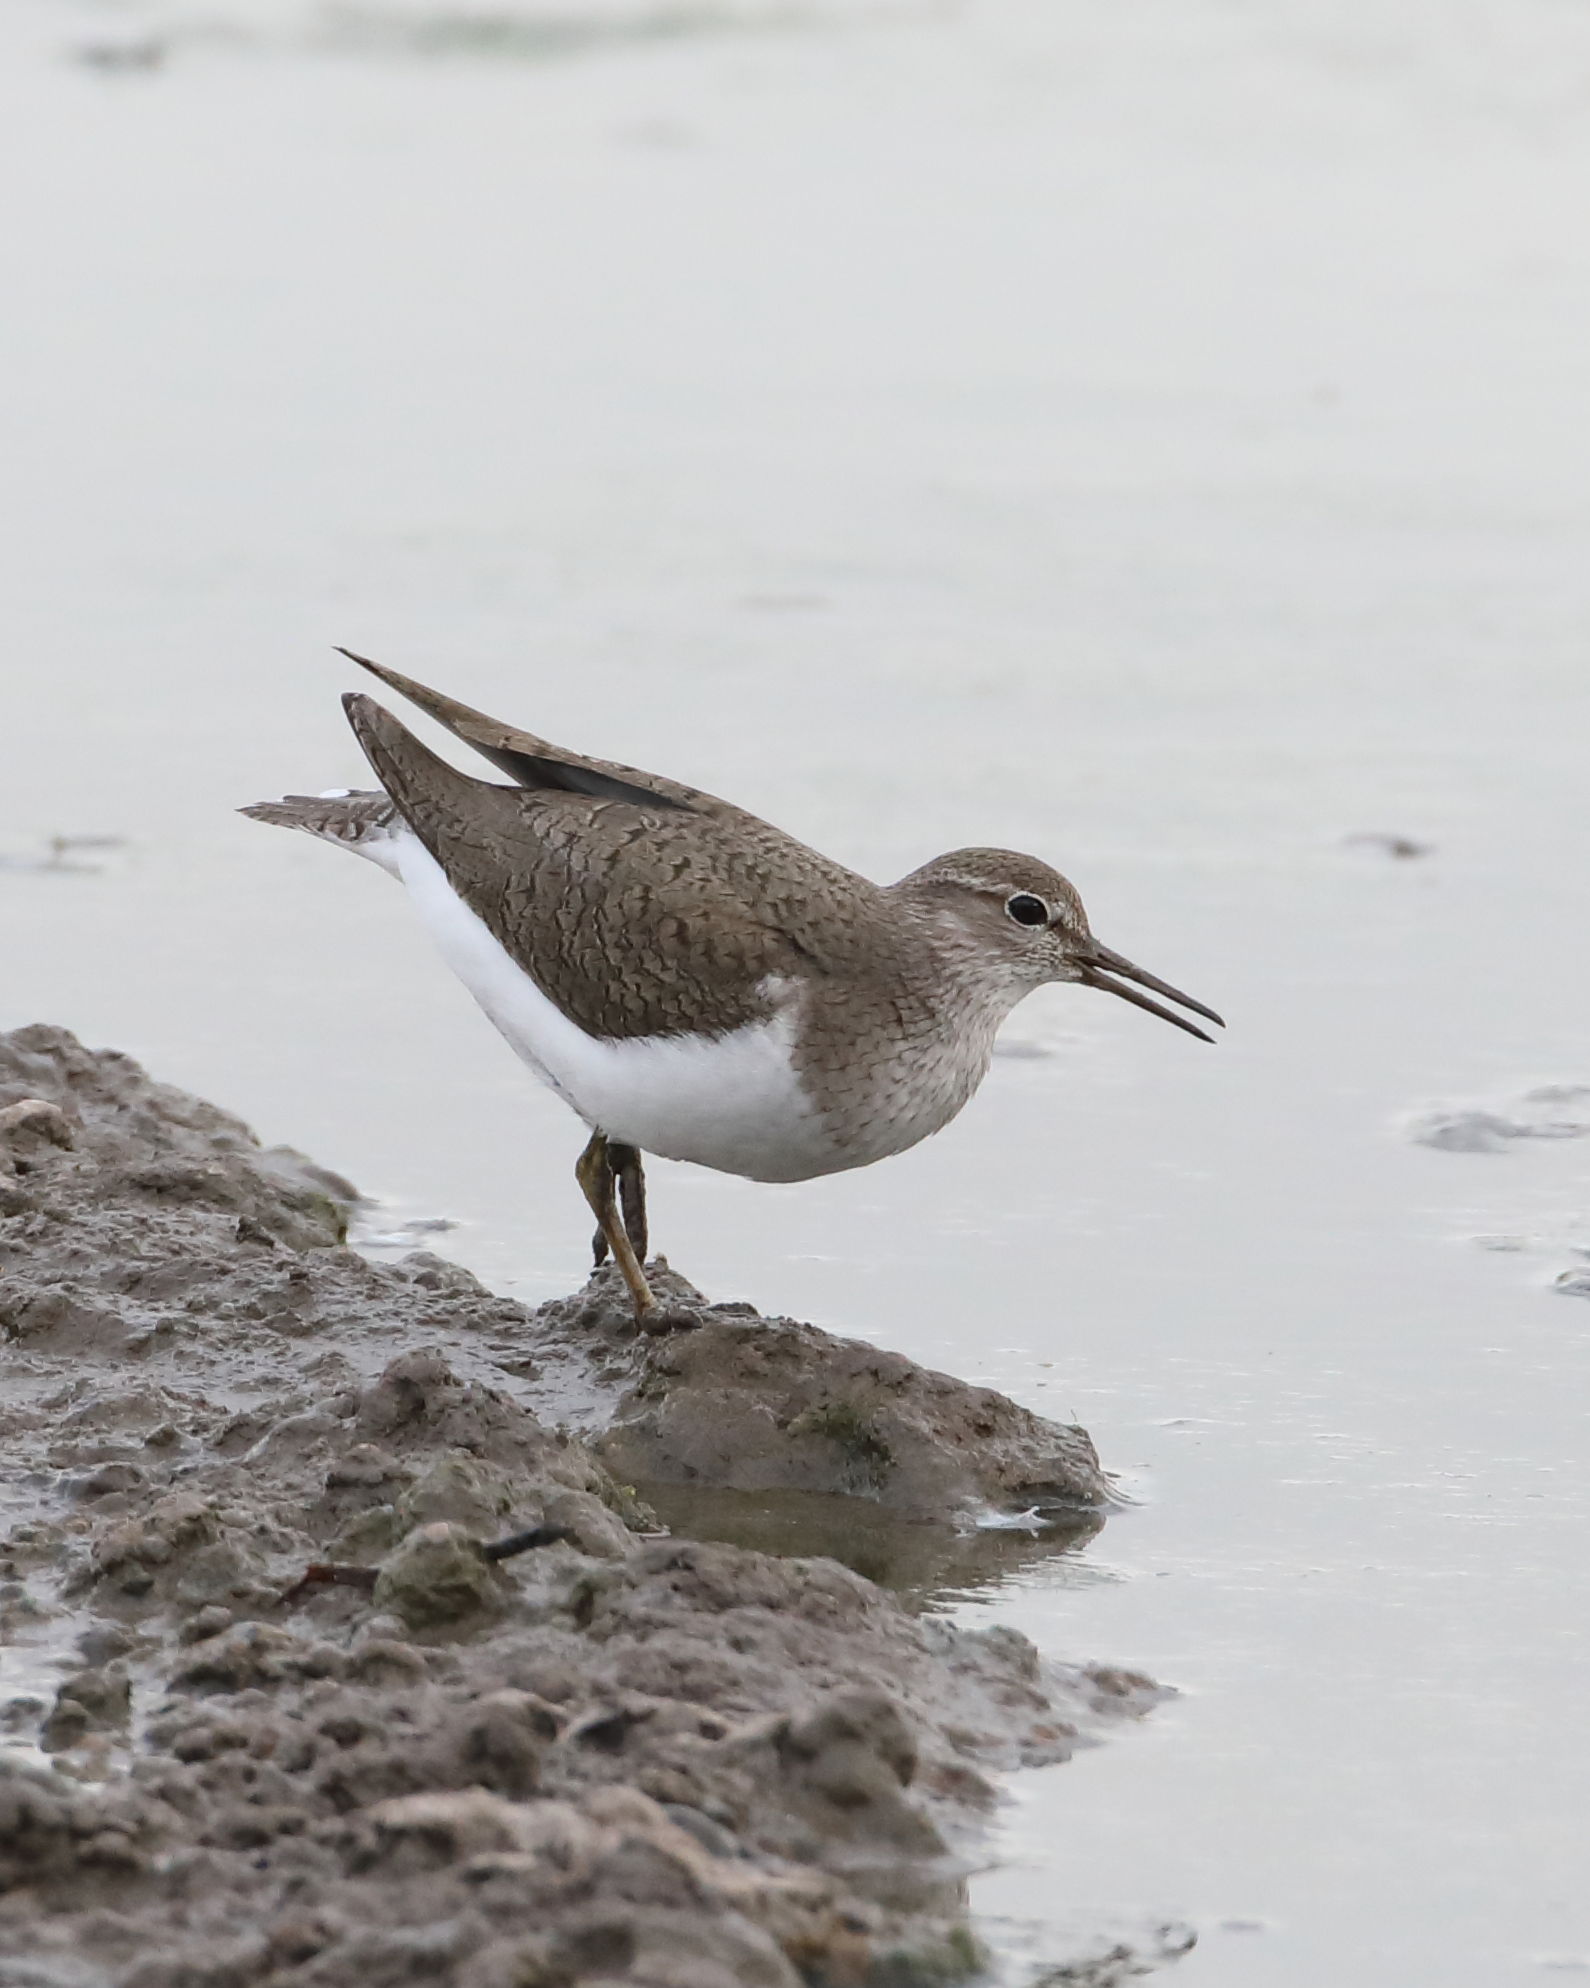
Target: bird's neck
{"x": 971, "y": 992}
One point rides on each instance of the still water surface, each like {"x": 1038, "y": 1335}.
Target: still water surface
{"x": 1149, "y": 437}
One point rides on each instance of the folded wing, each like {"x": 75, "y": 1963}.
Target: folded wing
{"x": 635, "y": 916}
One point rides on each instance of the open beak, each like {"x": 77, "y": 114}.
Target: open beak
{"x": 1102, "y": 968}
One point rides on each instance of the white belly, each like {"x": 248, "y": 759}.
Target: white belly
{"x": 732, "y": 1102}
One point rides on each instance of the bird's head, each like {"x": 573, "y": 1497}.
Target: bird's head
{"x": 1021, "y": 922}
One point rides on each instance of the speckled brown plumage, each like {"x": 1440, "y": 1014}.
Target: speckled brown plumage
{"x": 635, "y": 920}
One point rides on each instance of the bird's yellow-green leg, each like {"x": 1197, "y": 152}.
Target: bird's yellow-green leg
{"x": 594, "y": 1171}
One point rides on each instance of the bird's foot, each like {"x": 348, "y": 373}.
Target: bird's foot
{"x": 676, "y": 1305}
{"x": 668, "y": 1315}
{"x": 664, "y": 1302}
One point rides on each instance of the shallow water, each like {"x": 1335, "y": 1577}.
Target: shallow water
{"x": 1148, "y": 437}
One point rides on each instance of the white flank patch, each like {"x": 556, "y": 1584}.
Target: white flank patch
{"x": 730, "y": 1102}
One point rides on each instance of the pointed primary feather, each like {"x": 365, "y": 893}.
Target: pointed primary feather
{"x": 530, "y": 761}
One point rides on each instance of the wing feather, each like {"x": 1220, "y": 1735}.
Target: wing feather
{"x": 530, "y": 761}
{"x": 635, "y": 918}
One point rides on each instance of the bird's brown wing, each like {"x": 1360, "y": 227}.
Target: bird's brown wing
{"x": 536, "y": 763}
{"x": 635, "y": 918}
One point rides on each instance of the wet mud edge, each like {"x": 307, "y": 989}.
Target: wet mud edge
{"x": 614, "y": 1756}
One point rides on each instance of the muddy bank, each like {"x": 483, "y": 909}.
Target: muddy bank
{"x": 751, "y": 1403}
{"x": 614, "y": 1756}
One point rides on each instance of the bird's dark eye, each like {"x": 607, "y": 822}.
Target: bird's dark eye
{"x": 1027, "y": 909}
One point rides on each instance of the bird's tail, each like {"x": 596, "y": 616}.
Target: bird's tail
{"x": 366, "y": 823}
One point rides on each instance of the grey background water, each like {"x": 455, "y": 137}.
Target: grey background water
{"x": 1151, "y": 436}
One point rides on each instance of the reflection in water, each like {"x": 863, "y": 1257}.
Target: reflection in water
{"x": 931, "y": 1567}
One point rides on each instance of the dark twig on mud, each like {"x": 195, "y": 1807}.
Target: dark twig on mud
{"x": 523, "y": 1542}
{"x": 339, "y": 1574}
{"x": 327, "y": 1574}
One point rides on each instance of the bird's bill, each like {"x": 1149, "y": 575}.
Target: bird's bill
{"x": 1102, "y": 968}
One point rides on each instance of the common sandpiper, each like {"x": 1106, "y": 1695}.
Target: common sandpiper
{"x": 690, "y": 980}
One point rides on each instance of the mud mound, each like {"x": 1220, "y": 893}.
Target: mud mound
{"x": 610, "y": 1756}
{"x": 766, "y": 1404}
